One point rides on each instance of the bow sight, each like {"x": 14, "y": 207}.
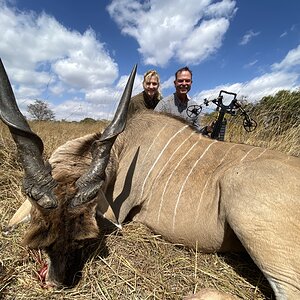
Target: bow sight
{"x": 232, "y": 109}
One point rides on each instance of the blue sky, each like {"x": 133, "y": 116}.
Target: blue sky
{"x": 77, "y": 55}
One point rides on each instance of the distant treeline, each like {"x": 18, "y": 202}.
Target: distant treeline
{"x": 85, "y": 121}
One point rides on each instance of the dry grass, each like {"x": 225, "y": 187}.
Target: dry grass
{"x": 138, "y": 264}
{"x": 274, "y": 137}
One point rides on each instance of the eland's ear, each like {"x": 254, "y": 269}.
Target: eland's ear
{"x": 85, "y": 226}
{"x": 105, "y": 210}
{"x": 22, "y": 215}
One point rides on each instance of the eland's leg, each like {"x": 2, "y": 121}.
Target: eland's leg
{"x": 264, "y": 213}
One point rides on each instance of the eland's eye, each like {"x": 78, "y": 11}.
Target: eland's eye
{"x": 78, "y": 244}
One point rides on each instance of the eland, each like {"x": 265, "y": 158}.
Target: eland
{"x": 157, "y": 170}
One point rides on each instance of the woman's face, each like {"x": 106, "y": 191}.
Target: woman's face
{"x": 151, "y": 86}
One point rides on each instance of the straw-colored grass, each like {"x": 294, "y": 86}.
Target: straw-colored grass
{"x": 138, "y": 264}
{"x": 271, "y": 136}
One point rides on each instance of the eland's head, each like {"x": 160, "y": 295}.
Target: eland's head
{"x": 63, "y": 206}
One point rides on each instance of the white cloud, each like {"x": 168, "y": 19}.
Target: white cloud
{"x": 255, "y": 89}
{"x": 78, "y": 110}
{"x": 48, "y": 57}
{"x": 291, "y": 60}
{"x": 57, "y": 89}
{"x": 42, "y": 57}
{"x": 87, "y": 65}
{"x": 251, "y": 64}
{"x": 103, "y": 95}
{"x": 137, "y": 86}
{"x": 26, "y": 90}
{"x": 51, "y": 59}
{"x": 281, "y": 77}
{"x": 96, "y": 103}
{"x": 169, "y": 83}
{"x": 221, "y": 9}
{"x": 209, "y": 35}
{"x": 283, "y": 34}
{"x": 164, "y": 36}
{"x": 29, "y": 77}
{"x": 249, "y": 35}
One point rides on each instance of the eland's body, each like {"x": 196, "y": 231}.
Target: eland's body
{"x": 192, "y": 190}
{"x": 201, "y": 192}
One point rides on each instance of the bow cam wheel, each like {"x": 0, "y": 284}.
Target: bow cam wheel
{"x": 193, "y": 110}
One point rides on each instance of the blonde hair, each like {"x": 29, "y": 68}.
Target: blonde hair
{"x": 150, "y": 74}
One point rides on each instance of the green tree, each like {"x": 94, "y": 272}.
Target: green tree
{"x": 88, "y": 120}
{"x": 39, "y": 110}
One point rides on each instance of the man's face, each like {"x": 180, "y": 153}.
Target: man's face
{"x": 151, "y": 86}
{"x": 183, "y": 83}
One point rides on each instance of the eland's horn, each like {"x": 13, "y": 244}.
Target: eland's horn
{"x": 38, "y": 182}
{"x": 91, "y": 182}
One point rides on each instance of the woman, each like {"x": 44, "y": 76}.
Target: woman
{"x": 149, "y": 98}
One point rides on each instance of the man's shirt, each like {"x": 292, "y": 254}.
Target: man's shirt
{"x": 172, "y": 105}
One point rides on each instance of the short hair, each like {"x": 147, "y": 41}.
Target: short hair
{"x": 183, "y": 69}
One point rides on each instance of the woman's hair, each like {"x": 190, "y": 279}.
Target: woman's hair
{"x": 148, "y": 75}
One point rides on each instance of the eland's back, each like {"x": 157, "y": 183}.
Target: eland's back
{"x": 214, "y": 195}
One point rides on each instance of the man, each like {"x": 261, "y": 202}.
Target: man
{"x": 179, "y": 103}
{"x": 149, "y": 98}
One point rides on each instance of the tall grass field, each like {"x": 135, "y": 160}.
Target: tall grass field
{"x": 139, "y": 265}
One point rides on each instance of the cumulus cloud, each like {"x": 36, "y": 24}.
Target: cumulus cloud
{"x": 189, "y": 32}
{"x": 87, "y": 64}
{"x": 255, "y": 89}
{"x": 291, "y": 60}
{"x": 98, "y": 103}
{"x": 48, "y": 57}
{"x": 281, "y": 77}
{"x": 168, "y": 83}
{"x": 209, "y": 35}
{"x": 81, "y": 110}
{"x": 44, "y": 58}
